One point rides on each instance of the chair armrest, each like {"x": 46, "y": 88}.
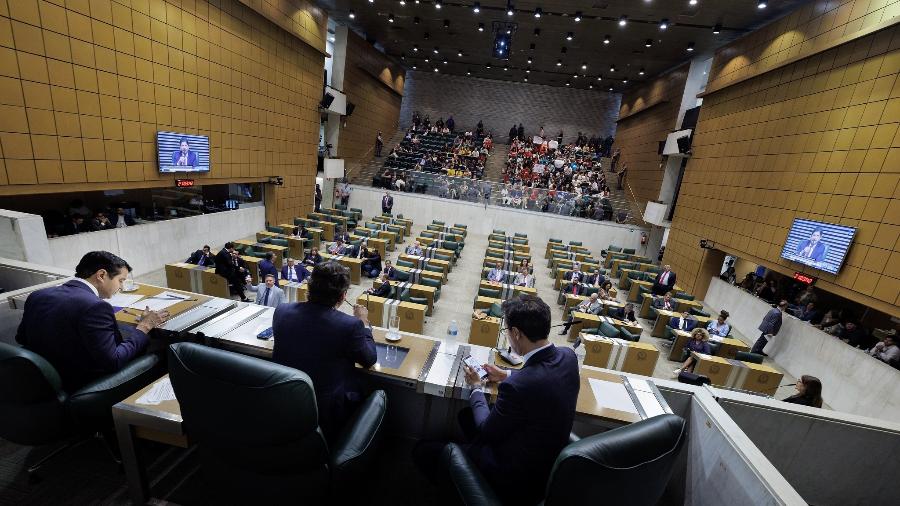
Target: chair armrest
{"x": 90, "y": 406}
{"x": 462, "y": 479}
{"x": 354, "y": 449}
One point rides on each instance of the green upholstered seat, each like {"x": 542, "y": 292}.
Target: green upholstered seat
{"x": 574, "y": 243}
{"x": 628, "y": 251}
{"x": 497, "y": 231}
{"x": 340, "y": 207}
{"x": 520, "y": 241}
{"x": 614, "y": 249}
{"x": 488, "y": 292}
{"x": 372, "y": 226}
{"x": 683, "y": 296}
{"x": 445, "y": 258}
{"x": 608, "y": 330}
{"x": 458, "y": 225}
{"x": 436, "y": 222}
{"x": 517, "y": 234}
{"x": 746, "y": 356}
{"x": 273, "y": 229}
{"x": 699, "y": 312}
{"x": 559, "y": 241}
{"x": 356, "y": 210}
{"x": 402, "y": 276}
{"x": 278, "y": 242}
{"x": 433, "y": 268}
{"x": 496, "y": 310}
{"x": 406, "y": 263}
{"x": 628, "y": 335}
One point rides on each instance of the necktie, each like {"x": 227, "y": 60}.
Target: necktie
{"x": 202, "y": 260}
{"x": 266, "y": 297}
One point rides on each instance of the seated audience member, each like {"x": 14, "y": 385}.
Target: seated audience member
{"x": 414, "y": 249}
{"x": 293, "y": 272}
{"x": 767, "y": 291}
{"x": 854, "y": 335}
{"x": 313, "y": 257}
{"x": 497, "y": 274}
{"x": 389, "y": 270}
{"x": 605, "y": 291}
{"x": 830, "y": 322}
{"x": 684, "y": 322}
{"x": 589, "y": 305}
{"x": 887, "y": 351}
{"x": 624, "y": 313}
{"x": 525, "y": 264}
{"x": 719, "y": 327}
{"x": 806, "y": 296}
{"x": 596, "y": 279}
{"x": 121, "y": 219}
{"x": 371, "y": 264}
{"x": 202, "y": 257}
{"x": 806, "y": 313}
{"x": 101, "y": 222}
{"x": 382, "y": 289}
{"x": 268, "y": 293}
{"x": 301, "y": 232}
{"x": 665, "y": 302}
{"x": 534, "y": 404}
{"x": 748, "y": 282}
{"x": 699, "y": 342}
{"x": 75, "y": 329}
{"x": 524, "y": 278}
{"x": 809, "y": 392}
{"x": 75, "y": 225}
{"x": 338, "y": 247}
{"x": 326, "y": 344}
{"x": 342, "y": 235}
{"x": 267, "y": 266}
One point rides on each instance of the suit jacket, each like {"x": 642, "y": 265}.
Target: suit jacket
{"x": 76, "y": 332}
{"x": 594, "y": 308}
{"x": 387, "y": 203}
{"x": 267, "y": 267}
{"x": 312, "y": 260}
{"x": 70, "y": 228}
{"x": 574, "y": 288}
{"x": 299, "y": 270}
{"x": 594, "y": 281}
{"x": 224, "y": 264}
{"x": 569, "y": 275}
{"x": 771, "y": 323}
{"x": 497, "y": 275}
{"x": 114, "y": 219}
{"x": 659, "y": 303}
{"x": 670, "y": 282}
{"x": 689, "y": 324}
{"x": 382, "y": 290}
{"x": 208, "y": 261}
{"x": 391, "y": 272}
{"x": 276, "y": 295}
{"x": 325, "y": 344}
{"x": 519, "y": 439}
{"x": 622, "y": 315}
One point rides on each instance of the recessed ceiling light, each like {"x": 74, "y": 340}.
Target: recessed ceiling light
{"x": 371, "y": 1}
{"x": 692, "y": 2}
{"x": 402, "y": 2}
{"x": 584, "y": 66}
{"x": 717, "y": 29}
{"x": 538, "y": 12}
{"x": 510, "y": 9}
{"x": 509, "y": 32}
{"x": 468, "y": 72}
{"x": 459, "y": 54}
{"x": 437, "y": 5}
{"x": 414, "y": 67}
{"x": 664, "y": 24}
{"x": 352, "y": 15}
{"x": 761, "y": 5}
{"x": 506, "y": 69}
{"x": 641, "y": 72}
{"x": 476, "y": 8}
{"x": 623, "y": 20}
{"x": 528, "y": 71}
{"x": 559, "y": 63}
{"x": 591, "y": 86}
{"x": 435, "y": 50}
{"x": 427, "y": 60}
{"x": 570, "y": 36}
{"x": 648, "y": 43}
{"x": 612, "y": 68}
{"x": 599, "y": 78}
{"x": 445, "y": 62}
{"x": 435, "y": 69}
{"x": 690, "y": 46}
{"x": 568, "y": 83}
{"x": 416, "y": 48}
{"x": 610, "y": 88}
{"x": 624, "y": 81}
{"x": 488, "y": 66}
{"x": 577, "y": 16}
{"x": 480, "y": 27}
{"x": 390, "y": 18}
{"x": 606, "y": 39}
{"x": 575, "y": 76}
{"x": 526, "y": 79}
{"x": 446, "y": 23}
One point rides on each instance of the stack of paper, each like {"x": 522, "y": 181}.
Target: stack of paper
{"x": 161, "y": 391}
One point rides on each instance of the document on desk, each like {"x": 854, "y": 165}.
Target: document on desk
{"x": 159, "y": 301}
{"x": 612, "y": 395}
{"x": 647, "y": 397}
{"x": 161, "y": 391}
{"x": 124, "y": 299}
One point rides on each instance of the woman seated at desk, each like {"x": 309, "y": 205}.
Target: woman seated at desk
{"x": 699, "y": 342}
{"x": 718, "y": 327}
{"x": 524, "y": 278}
{"x": 603, "y": 291}
{"x": 313, "y": 257}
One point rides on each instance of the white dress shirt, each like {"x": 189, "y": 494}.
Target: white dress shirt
{"x": 92, "y": 287}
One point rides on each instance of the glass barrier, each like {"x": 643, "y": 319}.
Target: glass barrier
{"x": 503, "y": 195}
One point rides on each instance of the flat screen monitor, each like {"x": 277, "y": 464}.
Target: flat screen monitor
{"x": 182, "y": 152}
{"x": 819, "y": 245}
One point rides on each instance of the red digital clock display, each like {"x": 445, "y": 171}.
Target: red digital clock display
{"x": 184, "y": 183}
{"x": 803, "y": 278}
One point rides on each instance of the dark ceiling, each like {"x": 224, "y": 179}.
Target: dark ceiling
{"x": 463, "y": 50}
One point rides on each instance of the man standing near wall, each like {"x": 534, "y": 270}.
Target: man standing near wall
{"x": 769, "y": 327}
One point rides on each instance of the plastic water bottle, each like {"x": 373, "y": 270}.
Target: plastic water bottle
{"x": 452, "y": 329}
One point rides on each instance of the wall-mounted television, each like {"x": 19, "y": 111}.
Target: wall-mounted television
{"x": 182, "y": 152}
{"x": 819, "y": 245}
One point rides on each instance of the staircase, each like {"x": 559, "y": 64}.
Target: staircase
{"x": 496, "y": 162}
{"x": 363, "y": 175}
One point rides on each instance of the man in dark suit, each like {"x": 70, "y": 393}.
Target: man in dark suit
{"x": 387, "y": 203}
{"x": 74, "y": 226}
{"x": 120, "y": 219}
{"x": 624, "y": 313}
{"x": 294, "y": 272}
{"x": 325, "y": 343}
{"x": 267, "y": 266}
{"x": 202, "y": 257}
{"x": 575, "y": 280}
{"x": 769, "y": 327}
{"x": 664, "y": 281}
{"x": 75, "y": 329}
{"x": 228, "y": 267}
{"x": 683, "y": 322}
{"x": 516, "y": 442}
{"x": 382, "y": 289}
{"x": 389, "y": 270}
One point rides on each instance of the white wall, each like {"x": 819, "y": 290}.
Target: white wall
{"x": 23, "y": 237}
{"x": 852, "y": 381}
{"x": 481, "y": 219}
{"x": 148, "y": 247}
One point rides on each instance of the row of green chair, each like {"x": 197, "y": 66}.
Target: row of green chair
{"x": 441, "y": 223}
{"x": 275, "y": 241}
{"x": 609, "y": 330}
{"x": 403, "y": 277}
{"x": 410, "y": 265}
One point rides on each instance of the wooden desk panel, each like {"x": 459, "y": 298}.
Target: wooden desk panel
{"x": 482, "y": 302}
{"x": 507, "y": 290}
{"x": 484, "y": 332}
{"x": 412, "y": 316}
{"x": 423, "y": 291}
{"x": 150, "y": 291}
{"x": 354, "y": 264}
{"x": 717, "y": 369}
{"x": 587, "y": 402}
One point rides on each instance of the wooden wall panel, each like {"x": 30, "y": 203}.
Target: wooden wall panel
{"x": 85, "y": 86}
{"x": 817, "y": 139}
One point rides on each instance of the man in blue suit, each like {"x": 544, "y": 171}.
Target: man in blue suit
{"x": 72, "y": 327}
{"x": 294, "y": 272}
{"x": 684, "y": 322}
{"x": 516, "y": 442}
{"x": 325, "y": 343}
{"x": 267, "y": 266}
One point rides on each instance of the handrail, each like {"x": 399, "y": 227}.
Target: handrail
{"x": 635, "y": 204}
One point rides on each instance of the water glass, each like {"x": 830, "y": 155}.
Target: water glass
{"x": 394, "y": 327}
{"x": 390, "y": 356}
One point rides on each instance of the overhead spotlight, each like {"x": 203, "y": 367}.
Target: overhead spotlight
{"x": 568, "y": 83}
{"x": 648, "y": 43}
{"x": 690, "y": 46}
{"x": 352, "y": 15}
{"x": 468, "y": 72}
{"x": 437, "y": 5}
{"x": 537, "y": 32}
{"x": 528, "y": 71}
{"x": 506, "y": 69}
{"x": 575, "y": 76}
{"x": 583, "y": 66}
{"x": 610, "y": 88}
{"x": 508, "y": 32}
{"x": 529, "y": 60}
{"x": 570, "y": 36}
{"x": 416, "y": 20}
{"x": 480, "y": 27}
{"x": 460, "y": 53}
{"x": 692, "y": 2}
{"x": 664, "y": 24}
{"x": 606, "y": 39}
{"x": 641, "y": 72}
{"x": 762, "y": 4}
{"x": 578, "y": 16}
{"x": 476, "y": 8}
{"x": 427, "y": 60}
{"x": 623, "y": 20}
{"x": 390, "y": 18}
{"x": 717, "y": 29}
{"x": 624, "y": 81}
{"x": 446, "y": 23}
{"x": 444, "y": 62}
{"x": 436, "y": 50}
{"x": 435, "y": 69}
{"x": 559, "y": 63}
{"x": 538, "y": 12}
{"x": 510, "y": 9}
{"x": 416, "y": 48}
{"x": 415, "y": 67}
{"x": 488, "y": 66}
{"x": 612, "y": 68}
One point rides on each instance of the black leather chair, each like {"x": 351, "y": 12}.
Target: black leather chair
{"x": 256, "y": 427}
{"x": 746, "y": 356}
{"x": 37, "y": 411}
{"x": 628, "y": 465}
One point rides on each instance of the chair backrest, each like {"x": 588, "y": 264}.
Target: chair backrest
{"x": 698, "y": 312}
{"x": 274, "y": 229}
{"x": 714, "y": 348}
{"x": 555, "y": 240}
{"x": 436, "y": 222}
{"x": 429, "y": 282}
{"x": 628, "y": 251}
{"x": 496, "y": 310}
{"x": 627, "y": 465}
{"x": 615, "y": 249}
{"x": 746, "y": 356}
{"x": 497, "y": 231}
{"x": 608, "y": 330}
{"x": 404, "y": 276}
{"x": 457, "y": 225}
{"x": 574, "y": 243}
{"x": 517, "y": 234}
{"x": 433, "y": 268}
{"x": 31, "y": 398}
{"x": 372, "y": 226}
{"x": 355, "y": 210}
{"x": 287, "y": 458}
{"x": 684, "y": 296}
{"x": 279, "y": 242}
{"x": 487, "y": 292}
{"x": 520, "y": 241}
{"x": 404, "y": 263}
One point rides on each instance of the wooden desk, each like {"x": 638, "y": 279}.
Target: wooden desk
{"x": 678, "y": 305}
{"x": 421, "y": 262}
{"x": 662, "y": 321}
{"x": 729, "y": 345}
{"x": 430, "y": 252}
{"x": 620, "y": 355}
{"x": 354, "y": 264}
{"x": 506, "y": 265}
{"x": 586, "y": 266}
{"x": 412, "y": 316}
{"x": 594, "y": 321}
{"x": 589, "y": 404}
{"x": 150, "y": 291}
{"x": 447, "y": 229}
{"x": 574, "y": 300}
{"x": 280, "y": 252}
{"x": 315, "y": 234}
{"x": 484, "y": 332}
{"x": 326, "y": 227}
{"x": 443, "y": 236}
{"x": 296, "y": 245}
{"x": 423, "y": 291}
{"x": 402, "y": 222}
{"x": 330, "y": 218}
{"x": 380, "y": 245}
{"x": 519, "y": 248}
{"x": 416, "y": 274}
{"x": 759, "y": 378}
{"x": 623, "y": 278}
{"x": 717, "y": 369}
{"x": 635, "y": 289}
{"x": 584, "y": 258}
{"x": 560, "y": 278}
{"x": 484, "y": 302}
{"x": 398, "y": 231}
{"x": 193, "y": 278}
{"x": 507, "y": 291}
{"x": 505, "y": 254}
{"x": 293, "y": 291}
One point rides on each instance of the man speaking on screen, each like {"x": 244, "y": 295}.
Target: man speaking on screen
{"x": 184, "y": 156}
{"x": 813, "y": 248}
